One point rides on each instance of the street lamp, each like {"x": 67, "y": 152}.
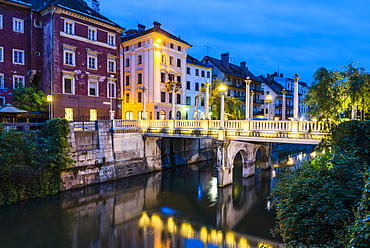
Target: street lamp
{"x": 196, "y": 106}
{"x": 268, "y": 99}
{"x": 283, "y": 115}
{"x": 222, "y": 89}
{"x": 208, "y": 117}
{"x": 49, "y": 99}
{"x": 173, "y": 87}
{"x": 296, "y": 97}
{"x": 144, "y": 115}
{"x": 247, "y": 97}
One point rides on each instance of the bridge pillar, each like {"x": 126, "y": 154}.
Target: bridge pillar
{"x": 224, "y": 169}
{"x": 249, "y": 168}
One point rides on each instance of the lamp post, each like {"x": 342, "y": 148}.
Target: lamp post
{"x": 252, "y": 112}
{"x": 173, "y": 87}
{"x": 144, "y": 115}
{"x": 247, "y": 97}
{"x": 296, "y": 99}
{"x": 268, "y": 99}
{"x": 49, "y": 99}
{"x": 222, "y": 89}
{"x": 196, "y": 106}
{"x": 208, "y": 117}
{"x": 283, "y": 114}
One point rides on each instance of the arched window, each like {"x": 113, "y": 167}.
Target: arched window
{"x": 129, "y": 115}
{"x": 178, "y": 115}
{"x": 163, "y": 115}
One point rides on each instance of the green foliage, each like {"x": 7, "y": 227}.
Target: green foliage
{"x": 233, "y": 106}
{"x": 334, "y": 93}
{"x": 315, "y": 203}
{"x": 30, "y": 165}
{"x": 30, "y": 99}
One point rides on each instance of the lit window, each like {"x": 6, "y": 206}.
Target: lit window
{"x": 18, "y": 81}
{"x": 69, "y": 58}
{"x": 68, "y": 85}
{"x": 91, "y": 34}
{"x": 1, "y": 21}
{"x": 68, "y": 114}
{"x": 111, "y": 39}
{"x": 18, "y": 57}
{"x": 111, "y": 65}
{"x": 69, "y": 27}
{"x": 1, "y": 54}
{"x": 92, "y": 62}
{"x": 18, "y": 25}
{"x": 111, "y": 89}
{"x": 1, "y": 80}
{"x": 93, "y": 115}
{"x": 93, "y": 88}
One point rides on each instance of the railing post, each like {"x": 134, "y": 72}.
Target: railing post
{"x": 246, "y": 125}
{"x": 294, "y": 126}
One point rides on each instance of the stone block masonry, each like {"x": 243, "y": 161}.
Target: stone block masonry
{"x": 101, "y": 155}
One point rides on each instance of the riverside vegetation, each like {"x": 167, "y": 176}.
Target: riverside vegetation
{"x": 31, "y": 164}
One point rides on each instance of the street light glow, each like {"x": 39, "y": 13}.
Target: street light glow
{"x": 222, "y": 88}
{"x": 269, "y": 98}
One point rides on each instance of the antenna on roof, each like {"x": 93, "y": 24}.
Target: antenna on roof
{"x": 207, "y": 50}
{"x": 278, "y": 70}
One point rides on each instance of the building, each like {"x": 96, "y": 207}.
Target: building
{"x": 153, "y": 65}
{"x": 65, "y": 48}
{"x": 234, "y": 77}
{"x": 198, "y": 75}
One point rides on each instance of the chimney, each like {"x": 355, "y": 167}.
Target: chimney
{"x": 281, "y": 75}
{"x": 225, "y": 59}
{"x": 141, "y": 28}
{"x": 156, "y": 24}
{"x": 243, "y": 65}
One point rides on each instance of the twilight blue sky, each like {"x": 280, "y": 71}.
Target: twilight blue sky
{"x": 297, "y": 36}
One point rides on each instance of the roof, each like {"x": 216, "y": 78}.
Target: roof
{"x": 78, "y": 6}
{"x": 233, "y": 69}
{"x": 10, "y": 109}
{"x": 194, "y": 61}
{"x": 273, "y": 85}
{"x": 157, "y": 29}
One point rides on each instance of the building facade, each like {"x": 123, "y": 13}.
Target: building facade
{"x": 198, "y": 76}
{"x": 153, "y": 65}
{"x": 68, "y": 50}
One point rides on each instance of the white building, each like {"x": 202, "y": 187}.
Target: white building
{"x": 198, "y": 75}
{"x": 152, "y": 62}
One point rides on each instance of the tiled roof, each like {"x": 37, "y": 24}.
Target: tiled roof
{"x": 78, "y": 6}
{"x": 156, "y": 29}
{"x": 194, "y": 61}
{"x": 233, "y": 69}
{"x": 275, "y": 86}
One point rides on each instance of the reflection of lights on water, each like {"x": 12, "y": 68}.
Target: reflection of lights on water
{"x": 268, "y": 206}
{"x": 276, "y": 165}
{"x": 171, "y": 226}
{"x": 313, "y": 155}
{"x": 199, "y": 192}
{"x": 213, "y": 190}
{"x": 187, "y": 230}
{"x": 230, "y": 239}
{"x": 299, "y": 157}
{"x": 290, "y": 161}
{"x": 144, "y": 220}
{"x": 203, "y": 235}
{"x": 169, "y": 211}
{"x": 157, "y": 222}
{"x": 273, "y": 174}
{"x": 264, "y": 245}
{"x": 243, "y": 243}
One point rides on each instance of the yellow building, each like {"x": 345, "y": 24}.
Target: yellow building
{"x": 153, "y": 73}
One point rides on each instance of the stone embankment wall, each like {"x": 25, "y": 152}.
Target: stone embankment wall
{"x": 101, "y": 155}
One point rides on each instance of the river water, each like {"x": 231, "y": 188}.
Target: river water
{"x": 175, "y": 208}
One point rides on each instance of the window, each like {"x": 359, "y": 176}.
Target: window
{"x": 127, "y": 62}
{"x": 127, "y": 48}
{"x": 18, "y": 25}
{"x": 163, "y": 77}
{"x": 188, "y": 100}
{"x": 111, "y": 65}
{"x": 18, "y": 57}
{"x": 188, "y": 70}
{"x": 111, "y": 89}
{"x": 1, "y": 21}
{"x": 68, "y": 85}
{"x": 139, "y": 59}
{"x": 178, "y": 98}
{"x": 68, "y": 114}
{"x": 111, "y": 39}
{"x": 179, "y": 79}
{"x": 92, "y": 62}
{"x": 171, "y": 60}
{"x": 179, "y": 48}
{"x": 197, "y": 86}
{"x": 1, "y": 54}
{"x": 127, "y": 97}
{"x": 171, "y": 45}
{"x": 163, "y": 115}
{"x": 93, "y": 88}
{"x": 202, "y": 102}
{"x": 196, "y": 72}
{"x": 18, "y": 81}
{"x": 1, "y": 80}
{"x": 139, "y": 97}
{"x": 91, "y": 34}
{"x": 179, "y": 63}
{"x": 93, "y": 115}
{"x": 163, "y": 96}
{"x": 69, "y": 58}
{"x": 139, "y": 78}
{"x": 2, "y": 101}
{"x": 127, "y": 80}
{"x": 188, "y": 85}
{"x": 139, "y": 44}
{"x": 163, "y": 58}
{"x": 69, "y": 27}
{"x": 208, "y": 74}
{"x": 203, "y": 73}
{"x": 171, "y": 77}
{"x": 170, "y": 97}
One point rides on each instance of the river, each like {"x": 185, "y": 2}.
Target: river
{"x": 174, "y": 208}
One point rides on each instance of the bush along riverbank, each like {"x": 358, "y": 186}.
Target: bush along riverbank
{"x": 31, "y": 164}
{"x": 324, "y": 203}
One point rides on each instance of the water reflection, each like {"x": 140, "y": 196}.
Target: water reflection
{"x": 177, "y": 208}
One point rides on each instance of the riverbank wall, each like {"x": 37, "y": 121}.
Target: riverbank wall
{"x": 102, "y": 155}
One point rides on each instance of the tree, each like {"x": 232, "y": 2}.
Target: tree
{"x": 30, "y": 99}
{"x": 233, "y": 106}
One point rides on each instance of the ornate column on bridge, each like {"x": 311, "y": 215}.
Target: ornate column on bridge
{"x": 247, "y": 98}
{"x": 296, "y": 98}
{"x": 251, "y": 108}
{"x": 207, "y": 100}
{"x": 283, "y": 114}
{"x": 197, "y": 106}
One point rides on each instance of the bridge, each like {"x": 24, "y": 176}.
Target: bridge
{"x": 244, "y": 137}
